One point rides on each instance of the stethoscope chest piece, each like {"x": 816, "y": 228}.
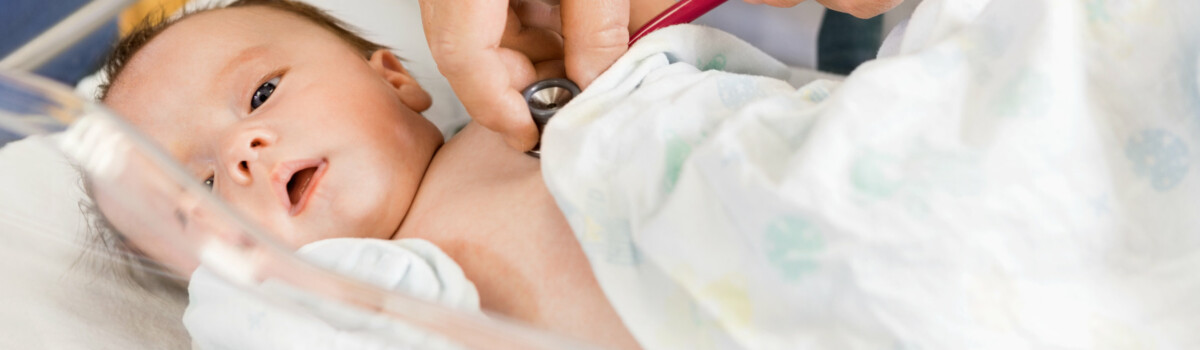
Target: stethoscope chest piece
{"x": 544, "y": 99}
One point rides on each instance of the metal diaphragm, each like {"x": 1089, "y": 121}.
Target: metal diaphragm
{"x": 544, "y": 99}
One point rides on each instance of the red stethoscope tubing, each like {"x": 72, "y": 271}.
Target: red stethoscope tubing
{"x": 683, "y": 11}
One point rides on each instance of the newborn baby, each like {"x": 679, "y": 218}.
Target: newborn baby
{"x": 316, "y": 133}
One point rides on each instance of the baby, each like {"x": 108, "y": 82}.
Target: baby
{"x": 316, "y": 133}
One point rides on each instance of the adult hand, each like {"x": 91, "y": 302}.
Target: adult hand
{"x": 856, "y": 8}
{"x": 490, "y": 50}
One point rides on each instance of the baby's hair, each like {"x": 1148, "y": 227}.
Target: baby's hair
{"x": 134, "y": 264}
{"x": 153, "y": 25}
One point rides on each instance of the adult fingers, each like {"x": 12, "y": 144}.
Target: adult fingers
{"x": 595, "y": 34}
{"x": 860, "y": 8}
{"x": 459, "y": 31}
{"x": 464, "y": 37}
{"x": 550, "y": 69}
{"x": 521, "y": 71}
{"x": 539, "y": 44}
{"x": 503, "y": 109}
{"x": 776, "y": 3}
{"x": 539, "y": 14}
{"x": 856, "y": 8}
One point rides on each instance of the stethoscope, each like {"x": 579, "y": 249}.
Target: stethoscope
{"x": 547, "y": 97}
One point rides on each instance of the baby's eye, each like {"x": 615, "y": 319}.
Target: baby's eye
{"x": 209, "y": 182}
{"x": 263, "y": 93}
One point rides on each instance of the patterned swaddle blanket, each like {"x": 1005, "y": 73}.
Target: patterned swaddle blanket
{"x": 1013, "y": 174}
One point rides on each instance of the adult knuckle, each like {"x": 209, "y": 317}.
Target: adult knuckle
{"x": 783, "y": 3}
{"x": 446, "y": 50}
{"x": 864, "y": 8}
{"x": 609, "y": 37}
{"x": 441, "y": 46}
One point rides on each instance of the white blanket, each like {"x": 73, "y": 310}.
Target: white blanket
{"x": 1016, "y": 174}
{"x": 223, "y": 316}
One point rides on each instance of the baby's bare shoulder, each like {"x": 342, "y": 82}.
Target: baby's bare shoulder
{"x": 487, "y": 206}
{"x": 477, "y": 183}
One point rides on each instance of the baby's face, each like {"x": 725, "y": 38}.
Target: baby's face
{"x": 291, "y": 125}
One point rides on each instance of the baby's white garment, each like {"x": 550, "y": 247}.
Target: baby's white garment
{"x": 1016, "y": 174}
{"x": 221, "y": 316}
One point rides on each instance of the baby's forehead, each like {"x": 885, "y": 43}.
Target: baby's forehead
{"x": 248, "y": 20}
{"x": 199, "y": 63}
{"x": 218, "y": 34}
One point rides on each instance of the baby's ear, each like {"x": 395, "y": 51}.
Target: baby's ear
{"x": 392, "y": 70}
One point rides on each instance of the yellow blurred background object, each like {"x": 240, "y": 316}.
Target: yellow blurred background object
{"x": 156, "y": 10}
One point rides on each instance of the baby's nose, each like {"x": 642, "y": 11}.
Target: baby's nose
{"x": 242, "y": 153}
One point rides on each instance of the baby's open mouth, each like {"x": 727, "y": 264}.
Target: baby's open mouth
{"x": 299, "y": 184}
{"x": 295, "y": 181}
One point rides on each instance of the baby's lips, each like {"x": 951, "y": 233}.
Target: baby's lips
{"x": 283, "y": 173}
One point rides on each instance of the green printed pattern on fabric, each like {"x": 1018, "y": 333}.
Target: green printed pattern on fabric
{"x": 677, "y": 151}
{"x": 871, "y": 174}
{"x": 716, "y": 63}
{"x": 1027, "y": 94}
{"x": 1159, "y": 155}
{"x": 792, "y": 244}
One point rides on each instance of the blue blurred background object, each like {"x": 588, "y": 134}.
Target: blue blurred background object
{"x": 845, "y": 41}
{"x": 23, "y": 20}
